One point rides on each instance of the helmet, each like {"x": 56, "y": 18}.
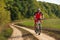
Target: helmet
{"x": 38, "y": 9}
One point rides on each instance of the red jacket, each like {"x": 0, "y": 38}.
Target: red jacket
{"x": 37, "y": 16}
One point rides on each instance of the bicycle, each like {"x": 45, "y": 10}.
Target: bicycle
{"x": 38, "y": 27}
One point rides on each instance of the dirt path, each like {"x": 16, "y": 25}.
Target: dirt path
{"x": 16, "y": 35}
{"x": 40, "y": 37}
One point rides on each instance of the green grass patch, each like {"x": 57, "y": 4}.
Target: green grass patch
{"x": 53, "y": 34}
{"x": 51, "y": 23}
{"x": 5, "y": 33}
{"x": 48, "y": 23}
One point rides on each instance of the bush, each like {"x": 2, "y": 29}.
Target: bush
{"x": 5, "y": 34}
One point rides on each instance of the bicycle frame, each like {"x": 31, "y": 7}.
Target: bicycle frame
{"x": 38, "y": 27}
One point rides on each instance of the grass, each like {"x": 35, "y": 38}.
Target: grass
{"x": 52, "y": 34}
{"x": 48, "y": 23}
{"x": 5, "y": 33}
{"x": 52, "y": 23}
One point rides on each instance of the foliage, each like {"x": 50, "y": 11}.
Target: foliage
{"x": 4, "y": 15}
{"x": 52, "y": 10}
{"x": 5, "y": 34}
{"x": 26, "y": 8}
{"x": 4, "y": 19}
{"x": 20, "y": 8}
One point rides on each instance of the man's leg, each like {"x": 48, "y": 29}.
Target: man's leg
{"x": 35, "y": 27}
{"x": 40, "y": 28}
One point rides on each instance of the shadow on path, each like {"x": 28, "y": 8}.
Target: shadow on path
{"x": 24, "y": 35}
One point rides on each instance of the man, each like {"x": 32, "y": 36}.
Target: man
{"x": 38, "y": 16}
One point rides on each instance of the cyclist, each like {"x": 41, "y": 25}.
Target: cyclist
{"x": 38, "y": 16}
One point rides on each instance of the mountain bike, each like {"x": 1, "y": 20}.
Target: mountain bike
{"x": 38, "y": 27}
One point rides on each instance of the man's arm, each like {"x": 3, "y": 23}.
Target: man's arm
{"x": 42, "y": 16}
